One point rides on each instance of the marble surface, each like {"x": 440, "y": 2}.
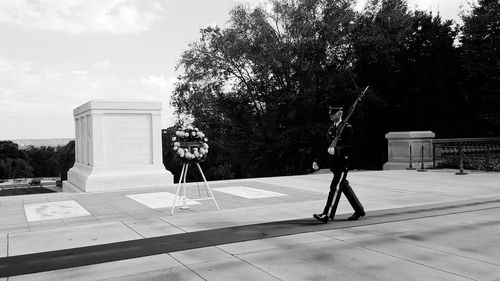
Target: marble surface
{"x": 138, "y": 268}
{"x": 248, "y": 192}
{"x": 3, "y": 245}
{"x": 54, "y": 210}
{"x": 460, "y": 246}
{"x": 117, "y": 147}
{"x": 158, "y": 200}
{"x": 59, "y": 238}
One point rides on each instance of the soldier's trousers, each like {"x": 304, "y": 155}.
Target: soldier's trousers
{"x": 346, "y": 190}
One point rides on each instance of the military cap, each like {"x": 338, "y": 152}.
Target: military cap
{"x": 334, "y": 109}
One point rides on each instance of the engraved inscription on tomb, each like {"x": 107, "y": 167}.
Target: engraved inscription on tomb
{"x": 127, "y": 139}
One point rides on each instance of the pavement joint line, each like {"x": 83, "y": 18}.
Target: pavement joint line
{"x": 128, "y": 226}
{"x": 407, "y": 260}
{"x": 433, "y": 249}
{"x": 95, "y": 254}
{"x": 186, "y": 266}
{"x": 8, "y": 240}
{"x": 256, "y": 267}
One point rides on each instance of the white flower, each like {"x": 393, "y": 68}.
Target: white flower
{"x": 189, "y": 127}
{"x": 181, "y": 152}
{"x": 174, "y": 138}
{"x": 202, "y": 135}
{"x": 199, "y": 134}
{"x": 202, "y": 150}
{"x": 177, "y": 143}
{"x": 195, "y": 149}
{"x": 196, "y": 153}
{"x": 196, "y": 129}
{"x": 193, "y": 134}
{"x": 186, "y": 135}
{"x": 205, "y": 139}
{"x": 176, "y": 147}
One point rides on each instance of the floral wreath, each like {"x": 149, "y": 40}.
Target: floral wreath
{"x": 190, "y": 144}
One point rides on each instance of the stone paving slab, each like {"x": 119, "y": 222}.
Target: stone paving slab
{"x": 200, "y": 255}
{"x": 486, "y": 218}
{"x": 304, "y": 195}
{"x": 152, "y": 227}
{"x": 172, "y": 243}
{"x": 69, "y": 237}
{"x": 273, "y": 243}
{"x": 112, "y": 270}
{"x": 337, "y": 260}
{"x": 296, "y": 257}
{"x": 46, "y": 225}
{"x": 54, "y": 210}
{"x": 230, "y": 269}
{"x": 174, "y": 273}
{"x": 158, "y": 200}
{"x": 212, "y": 220}
{"x": 80, "y": 220}
{"x": 3, "y": 245}
{"x": 432, "y": 258}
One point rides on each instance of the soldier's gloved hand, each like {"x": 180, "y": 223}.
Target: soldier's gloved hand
{"x": 331, "y": 150}
{"x": 315, "y": 166}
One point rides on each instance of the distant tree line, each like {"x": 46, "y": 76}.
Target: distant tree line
{"x": 33, "y": 162}
{"x": 260, "y": 87}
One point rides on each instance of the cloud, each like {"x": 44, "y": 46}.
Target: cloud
{"x": 102, "y": 65}
{"x": 159, "y": 81}
{"x": 79, "y": 16}
{"x": 37, "y": 100}
{"x": 79, "y": 72}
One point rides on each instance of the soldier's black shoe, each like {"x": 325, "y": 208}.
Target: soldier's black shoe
{"x": 321, "y": 217}
{"x": 356, "y": 216}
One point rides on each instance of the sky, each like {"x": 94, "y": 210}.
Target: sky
{"x": 56, "y": 55}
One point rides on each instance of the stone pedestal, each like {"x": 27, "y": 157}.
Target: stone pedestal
{"x": 117, "y": 146}
{"x": 399, "y": 145}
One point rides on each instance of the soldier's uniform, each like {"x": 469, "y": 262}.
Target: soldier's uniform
{"x": 339, "y": 165}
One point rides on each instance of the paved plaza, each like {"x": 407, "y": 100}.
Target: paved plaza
{"x": 431, "y": 225}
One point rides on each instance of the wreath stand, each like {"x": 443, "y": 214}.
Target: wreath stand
{"x": 181, "y": 188}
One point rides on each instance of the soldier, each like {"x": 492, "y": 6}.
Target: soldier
{"x": 338, "y": 161}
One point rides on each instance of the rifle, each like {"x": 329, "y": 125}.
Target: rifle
{"x": 349, "y": 113}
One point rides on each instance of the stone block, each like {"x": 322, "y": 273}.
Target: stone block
{"x": 117, "y": 146}
{"x": 414, "y": 146}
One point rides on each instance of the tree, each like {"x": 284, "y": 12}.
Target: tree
{"x": 44, "y": 161}
{"x": 258, "y": 87}
{"x": 13, "y": 162}
{"x": 408, "y": 57}
{"x": 480, "y": 50}
{"x": 65, "y": 158}
{"x": 261, "y": 86}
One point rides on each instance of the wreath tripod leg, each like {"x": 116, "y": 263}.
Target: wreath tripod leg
{"x": 184, "y": 200}
{"x": 179, "y": 187}
{"x": 207, "y": 187}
